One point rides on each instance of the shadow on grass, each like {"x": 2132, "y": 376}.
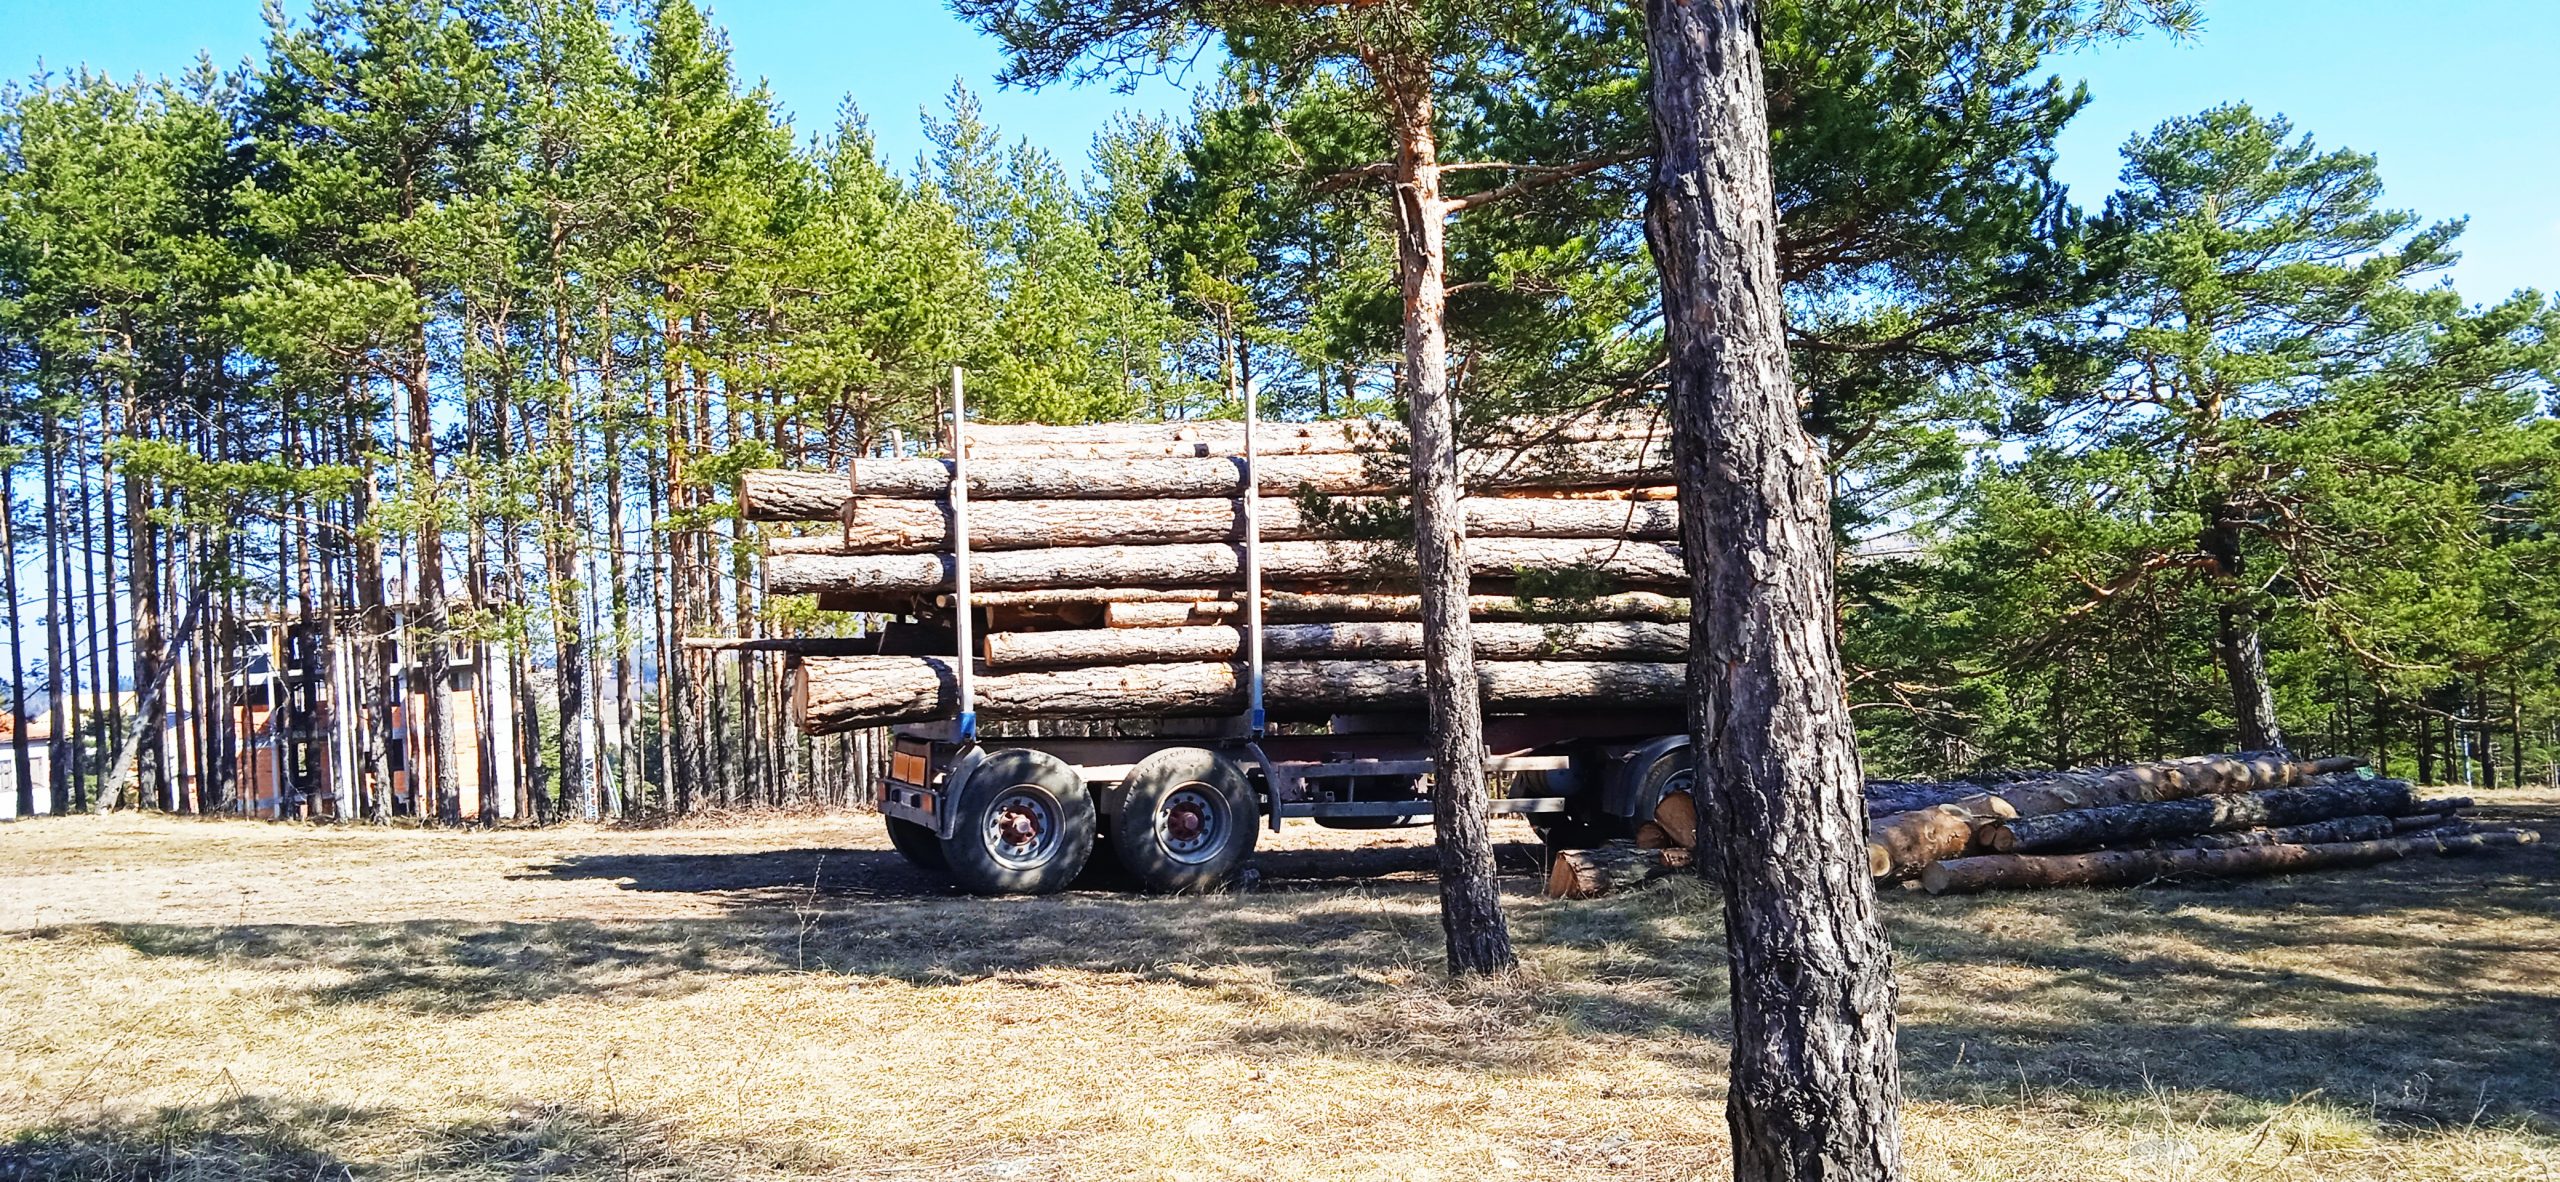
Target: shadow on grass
{"x": 2426, "y": 990}
{"x": 2423, "y": 989}
{"x": 267, "y": 1139}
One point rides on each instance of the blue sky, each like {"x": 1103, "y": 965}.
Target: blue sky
{"x": 2457, "y": 97}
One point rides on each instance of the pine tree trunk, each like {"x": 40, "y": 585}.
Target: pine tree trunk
{"x": 55, "y": 590}
{"x": 1479, "y": 941}
{"x": 1815, "y": 1089}
{"x": 2237, "y": 643}
{"x": 19, "y": 757}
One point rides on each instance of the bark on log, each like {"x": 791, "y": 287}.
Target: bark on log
{"x": 1225, "y": 437}
{"x": 2364, "y": 828}
{"x": 1284, "y": 606}
{"x": 919, "y": 527}
{"x": 2176, "y": 779}
{"x": 1336, "y": 641}
{"x": 831, "y": 694}
{"x": 2122, "y": 867}
{"x": 1589, "y": 874}
{"x": 2119, "y": 824}
{"x": 1655, "y": 563}
{"x": 777, "y": 494}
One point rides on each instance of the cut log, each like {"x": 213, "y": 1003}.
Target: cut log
{"x": 1225, "y": 437}
{"x": 1642, "y": 563}
{"x": 887, "y": 526}
{"x": 1596, "y": 641}
{"x": 1652, "y": 836}
{"x": 2122, "y": 867}
{"x": 1677, "y": 813}
{"x": 2364, "y": 828}
{"x": 1589, "y": 874}
{"x": 1900, "y": 845}
{"x": 2176, "y": 779}
{"x": 1283, "y": 606}
{"x": 2121, "y": 824}
{"x": 831, "y": 694}
{"x": 2437, "y": 804}
{"x": 801, "y": 646}
{"x": 776, "y": 494}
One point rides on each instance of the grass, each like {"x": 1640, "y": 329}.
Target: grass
{"x": 785, "y": 999}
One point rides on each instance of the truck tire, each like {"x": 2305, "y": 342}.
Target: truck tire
{"x": 1582, "y": 826}
{"x": 1022, "y": 825}
{"x": 916, "y": 843}
{"x": 1187, "y": 821}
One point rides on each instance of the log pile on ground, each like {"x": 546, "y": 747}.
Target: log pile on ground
{"x": 1107, "y": 566}
{"x": 2206, "y": 817}
{"x": 2216, "y": 816}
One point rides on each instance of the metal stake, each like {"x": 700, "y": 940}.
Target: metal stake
{"x": 1254, "y": 718}
{"x": 960, "y": 556}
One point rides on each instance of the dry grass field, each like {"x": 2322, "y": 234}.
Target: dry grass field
{"x": 783, "y": 998}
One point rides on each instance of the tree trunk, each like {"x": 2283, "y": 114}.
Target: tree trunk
{"x": 1215, "y": 564}
{"x": 831, "y": 694}
{"x": 1338, "y": 641}
{"x": 58, "y": 767}
{"x": 774, "y": 494}
{"x": 20, "y": 759}
{"x": 1478, "y": 939}
{"x": 888, "y": 526}
{"x": 2237, "y": 642}
{"x": 2127, "y": 867}
{"x": 1815, "y": 1088}
{"x": 2124, "y": 823}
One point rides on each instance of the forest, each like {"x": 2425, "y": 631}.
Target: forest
{"x": 436, "y": 339}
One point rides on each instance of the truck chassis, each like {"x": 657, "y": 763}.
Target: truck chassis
{"x": 1182, "y": 812}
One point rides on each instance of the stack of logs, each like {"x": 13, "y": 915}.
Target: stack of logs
{"x": 1108, "y": 566}
{"x": 2205, "y": 817}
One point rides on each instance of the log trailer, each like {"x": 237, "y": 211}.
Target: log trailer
{"x": 1181, "y": 804}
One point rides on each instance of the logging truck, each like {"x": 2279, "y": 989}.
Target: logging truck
{"x": 1119, "y": 576}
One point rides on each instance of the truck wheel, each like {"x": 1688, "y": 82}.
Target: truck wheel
{"x": 1187, "y": 821}
{"x": 1023, "y": 825}
{"x": 916, "y": 843}
{"x": 1580, "y": 827}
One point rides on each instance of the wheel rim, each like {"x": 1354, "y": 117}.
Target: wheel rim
{"x": 1192, "y": 823}
{"x": 1022, "y": 827}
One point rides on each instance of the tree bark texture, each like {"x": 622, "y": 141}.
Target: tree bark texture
{"x": 888, "y": 526}
{"x": 1479, "y": 940}
{"x": 2237, "y": 642}
{"x": 2126, "y": 867}
{"x": 776, "y": 494}
{"x": 1212, "y": 564}
{"x": 1815, "y": 1090}
{"x": 1591, "y": 641}
{"x": 832, "y": 694}
{"x": 2119, "y": 824}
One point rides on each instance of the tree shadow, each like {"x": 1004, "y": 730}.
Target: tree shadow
{"x": 274, "y": 1139}
{"x": 2421, "y": 989}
